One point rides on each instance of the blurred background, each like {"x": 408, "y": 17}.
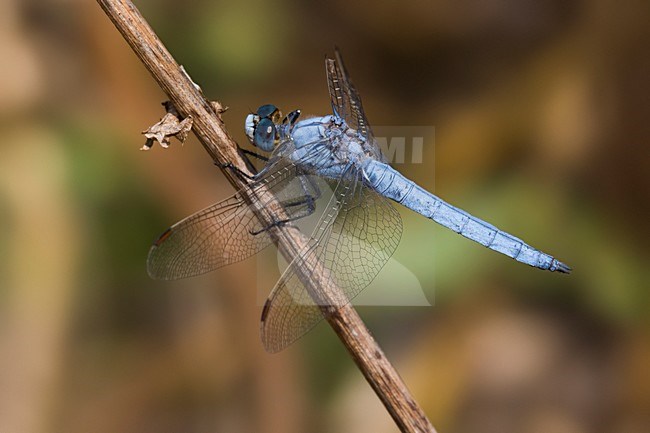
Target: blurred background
{"x": 541, "y": 116}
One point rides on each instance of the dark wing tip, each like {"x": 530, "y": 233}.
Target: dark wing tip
{"x": 270, "y": 345}
{"x": 265, "y": 310}
{"x": 162, "y": 237}
{"x": 156, "y": 265}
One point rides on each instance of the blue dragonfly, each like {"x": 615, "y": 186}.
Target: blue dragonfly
{"x": 359, "y": 228}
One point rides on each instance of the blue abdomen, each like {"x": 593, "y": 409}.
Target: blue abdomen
{"x": 392, "y": 184}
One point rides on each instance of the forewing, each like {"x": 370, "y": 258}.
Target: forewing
{"x": 229, "y": 231}
{"x": 213, "y": 237}
{"x": 356, "y": 236}
{"x": 346, "y": 101}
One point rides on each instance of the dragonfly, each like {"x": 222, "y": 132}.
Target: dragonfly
{"x": 358, "y": 230}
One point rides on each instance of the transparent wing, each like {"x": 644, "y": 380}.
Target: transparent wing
{"x": 346, "y": 101}
{"x": 354, "y": 239}
{"x": 229, "y": 231}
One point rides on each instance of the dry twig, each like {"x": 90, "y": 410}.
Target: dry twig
{"x": 210, "y": 130}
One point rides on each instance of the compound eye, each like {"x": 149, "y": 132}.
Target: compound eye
{"x": 269, "y": 111}
{"x": 265, "y": 136}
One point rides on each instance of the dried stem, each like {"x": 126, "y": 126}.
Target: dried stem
{"x": 210, "y": 130}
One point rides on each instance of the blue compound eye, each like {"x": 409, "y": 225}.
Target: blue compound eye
{"x": 267, "y": 111}
{"x": 265, "y": 136}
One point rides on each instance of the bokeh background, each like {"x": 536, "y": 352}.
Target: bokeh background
{"x": 541, "y": 112}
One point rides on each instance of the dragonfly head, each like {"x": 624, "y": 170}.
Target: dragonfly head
{"x": 263, "y": 128}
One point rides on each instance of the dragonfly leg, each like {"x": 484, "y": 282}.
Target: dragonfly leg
{"x": 230, "y": 166}
{"x": 241, "y": 174}
{"x": 299, "y": 207}
{"x": 253, "y": 154}
{"x": 309, "y": 204}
